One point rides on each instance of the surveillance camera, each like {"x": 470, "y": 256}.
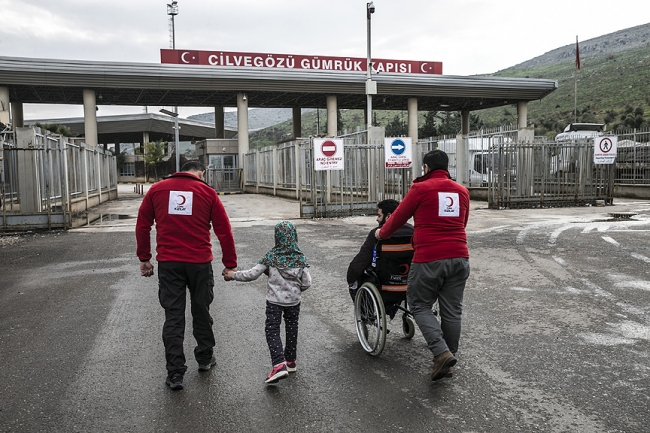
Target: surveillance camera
{"x": 243, "y": 98}
{"x": 371, "y": 8}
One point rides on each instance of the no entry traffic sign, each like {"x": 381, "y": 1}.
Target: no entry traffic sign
{"x": 328, "y": 154}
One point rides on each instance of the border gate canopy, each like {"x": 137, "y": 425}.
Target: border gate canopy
{"x": 54, "y": 81}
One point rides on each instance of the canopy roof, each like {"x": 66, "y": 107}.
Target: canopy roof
{"x": 54, "y": 81}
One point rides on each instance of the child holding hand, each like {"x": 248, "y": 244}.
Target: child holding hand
{"x": 288, "y": 272}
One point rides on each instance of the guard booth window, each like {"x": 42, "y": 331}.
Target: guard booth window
{"x": 227, "y": 163}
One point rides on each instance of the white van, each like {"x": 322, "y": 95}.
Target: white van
{"x": 563, "y": 157}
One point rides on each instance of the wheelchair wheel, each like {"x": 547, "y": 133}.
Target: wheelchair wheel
{"x": 408, "y": 326}
{"x": 370, "y": 319}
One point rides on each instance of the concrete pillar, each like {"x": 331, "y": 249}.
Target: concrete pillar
{"x": 242, "y": 126}
{"x": 296, "y": 157}
{"x": 412, "y": 109}
{"x": 412, "y": 105}
{"x": 297, "y": 122}
{"x": 331, "y": 132}
{"x": 17, "y": 115}
{"x": 90, "y": 118}
{"x": 462, "y": 150}
{"x": 219, "y": 126}
{"x": 522, "y": 114}
{"x": 4, "y": 105}
{"x": 331, "y": 116}
{"x": 464, "y": 122}
{"x": 29, "y": 190}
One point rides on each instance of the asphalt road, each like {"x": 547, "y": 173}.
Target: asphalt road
{"x": 556, "y": 332}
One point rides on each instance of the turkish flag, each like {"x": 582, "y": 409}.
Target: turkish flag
{"x": 577, "y": 54}
{"x": 188, "y": 57}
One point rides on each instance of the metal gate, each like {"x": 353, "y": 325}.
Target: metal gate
{"x": 356, "y": 189}
{"x": 226, "y": 180}
{"x": 546, "y": 174}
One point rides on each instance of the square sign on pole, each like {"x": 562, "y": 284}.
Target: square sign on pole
{"x": 328, "y": 154}
{"x": 398, "y": 152}
{"x": 605, "y": 149}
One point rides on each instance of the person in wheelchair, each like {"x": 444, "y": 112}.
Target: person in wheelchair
{"x": 363, "y": 266}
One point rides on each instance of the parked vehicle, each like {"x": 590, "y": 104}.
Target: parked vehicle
{"x": 564, "y": 158}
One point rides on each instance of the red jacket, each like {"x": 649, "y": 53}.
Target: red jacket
{"x": 440, "y": 209}
{"x": 183, "y": 207}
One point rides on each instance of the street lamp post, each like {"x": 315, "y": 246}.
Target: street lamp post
{"x": 371, "y": 87}
{"x": 172, "y": 11}
{"x": 174, "y": 114}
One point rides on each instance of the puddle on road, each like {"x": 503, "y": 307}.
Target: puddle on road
{"x": 90, "y": 219}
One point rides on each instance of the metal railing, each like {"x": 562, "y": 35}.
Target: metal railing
{"x": 543, "y": 174}
{"x": 633, "y": 156}
{"x": 45, "y": 179}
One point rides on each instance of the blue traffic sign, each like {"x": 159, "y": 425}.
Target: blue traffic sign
{"x": 397, "y": 147}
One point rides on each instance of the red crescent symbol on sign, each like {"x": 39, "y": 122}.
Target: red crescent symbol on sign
{"x": 404, "y": 268}
{"x": 183, "y": 57}
{"x": 182, "y": 202}
{"x": 451, "y": 202}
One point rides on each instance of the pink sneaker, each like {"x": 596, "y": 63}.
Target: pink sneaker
{"x": 278, "y": 373}
{"x": 291, "y": 366}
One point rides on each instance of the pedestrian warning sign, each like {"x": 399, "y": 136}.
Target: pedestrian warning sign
{"x": 605, "y": 149}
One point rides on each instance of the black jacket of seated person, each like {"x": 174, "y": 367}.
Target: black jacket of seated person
{"x": 363, "y": 259}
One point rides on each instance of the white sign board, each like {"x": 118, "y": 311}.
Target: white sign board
{"x": 398, "y": 152}
{"x": 605, "y": 149}
{"x": 328, "y": 154}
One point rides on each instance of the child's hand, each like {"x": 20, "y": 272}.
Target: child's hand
{"x": 227, "y": 274}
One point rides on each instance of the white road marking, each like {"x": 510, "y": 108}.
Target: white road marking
{"x": 611, "y": 241}
{"x": 641, "y": 257}
{"x": 560, "y": 260}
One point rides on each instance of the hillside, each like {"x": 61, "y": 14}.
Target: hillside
{"x": 612, "y": 84}
{"x": 258, "y": 118}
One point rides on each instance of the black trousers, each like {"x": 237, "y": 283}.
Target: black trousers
{"x": 274, "y": 314}
{"x": 173, "y": 280}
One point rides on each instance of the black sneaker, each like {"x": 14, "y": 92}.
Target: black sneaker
{"x": 175, "y": 381}
{"x": 209, "y": 365}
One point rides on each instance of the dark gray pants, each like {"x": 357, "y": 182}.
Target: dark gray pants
{"x": 444, "y": 281}
{"x": 174, "y": 278}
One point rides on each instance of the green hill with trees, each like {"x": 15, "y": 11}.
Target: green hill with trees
{"x": 613, "y": 87}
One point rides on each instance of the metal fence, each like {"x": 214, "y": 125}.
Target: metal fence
{"x": 542, "y": 174}
{"x": 633, "y": 157}
{"x": 513, "y": 173}
{"x": 45, "y": 179}
{"x": 226, "y": 180}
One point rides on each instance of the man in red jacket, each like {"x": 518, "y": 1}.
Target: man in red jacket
{"x": 183, "y": 207}
{"x": 440, "y": 266}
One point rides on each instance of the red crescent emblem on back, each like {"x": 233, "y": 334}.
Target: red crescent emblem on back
{"x": 451, "y": 202}
{"x": 181, "y": 203}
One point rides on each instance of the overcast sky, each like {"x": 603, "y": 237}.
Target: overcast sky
{"x": 468, "y": 36}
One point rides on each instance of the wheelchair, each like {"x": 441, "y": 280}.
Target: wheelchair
{"x": 382, "y": 293}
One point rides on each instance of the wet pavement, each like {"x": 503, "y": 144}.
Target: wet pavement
{"x": 556, "y": 331}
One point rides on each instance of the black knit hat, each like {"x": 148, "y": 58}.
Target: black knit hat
{"x": 436, "y": 160}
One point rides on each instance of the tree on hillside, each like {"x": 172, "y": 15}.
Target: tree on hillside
{"x": 396, "y": 127}
{"x": 429, "y": 128}
{"x": 153, "y": 155}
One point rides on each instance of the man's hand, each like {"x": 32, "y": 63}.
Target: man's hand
{"x": 227, "y": 273}
{"x": 377, "y": 234}
{"x": 146, "y": 269}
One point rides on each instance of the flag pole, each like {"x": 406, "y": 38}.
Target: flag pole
{"x": 575, "y": 83}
